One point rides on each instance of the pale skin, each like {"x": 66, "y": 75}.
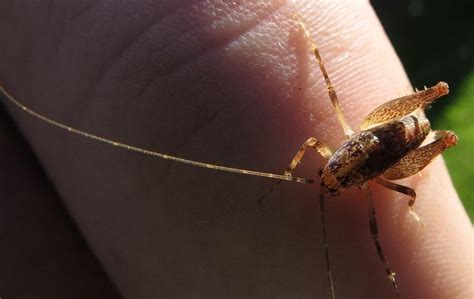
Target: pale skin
{"x": 243, "y": 92}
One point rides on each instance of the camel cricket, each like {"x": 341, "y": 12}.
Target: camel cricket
{"x": 387, "y": 148}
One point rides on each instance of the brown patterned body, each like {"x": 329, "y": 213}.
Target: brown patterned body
{"x": 370, "y": 153}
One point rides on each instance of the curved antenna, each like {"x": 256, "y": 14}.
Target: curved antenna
{"x": 149, "y": 152}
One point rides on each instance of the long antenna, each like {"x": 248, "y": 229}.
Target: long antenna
{"x": 326, "y": 248}
{"x": 149, "y": 152}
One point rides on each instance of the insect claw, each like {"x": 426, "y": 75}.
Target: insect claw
{"x": 391, "y": 276}
{"x": 415, "y": 215}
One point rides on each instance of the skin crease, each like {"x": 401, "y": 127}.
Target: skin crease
{"x": 43, "y": 255}
{"x": 231, "y": 84}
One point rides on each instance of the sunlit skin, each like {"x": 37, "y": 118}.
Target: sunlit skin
{"x": 246, "y": 97}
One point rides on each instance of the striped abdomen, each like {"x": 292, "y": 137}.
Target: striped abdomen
{"x": 370, "y": 153}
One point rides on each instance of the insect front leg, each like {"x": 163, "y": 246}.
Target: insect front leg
{"x": 312, "y": 142}
{"x": 404, "y": 190}
{"x": 374, "y": 231}
{"x": 331, "y": 91}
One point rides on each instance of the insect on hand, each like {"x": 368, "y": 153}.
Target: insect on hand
{"x": 387, "y": 148}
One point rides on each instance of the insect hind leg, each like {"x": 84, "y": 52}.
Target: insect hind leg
{"x": 403, "y": 106}
{"x": 330, "y": 88}
{"x": 418, "y": 159}
{"x": 375, "y": 237}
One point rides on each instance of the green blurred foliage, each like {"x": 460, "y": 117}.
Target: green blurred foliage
{"x": 460, "y": 159}
{"x": 435, "y": 42}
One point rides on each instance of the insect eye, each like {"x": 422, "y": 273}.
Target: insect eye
{"x": 320, "y": 171}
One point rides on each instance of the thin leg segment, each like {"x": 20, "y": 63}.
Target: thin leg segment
{"x": 375, "y": 237}
{"x": 404, "y": 190}
{"x": 326, "y": 247}
{"x": 312, "y": 142}
{"x": 331, "y": 91}
{"x": 418, "y": 159}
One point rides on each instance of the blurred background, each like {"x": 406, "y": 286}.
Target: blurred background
{"x": 435, "y": 41}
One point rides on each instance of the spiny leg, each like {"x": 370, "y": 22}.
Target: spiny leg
{"x": 375, "y": 237}
{"x": 326, "y": 247}
{"x": 312, "y": 142}
{"x": 331, "y": 91}
{"x": 404, "y": 190}
{"x": 405, "y": 105}
{"x": 418, "y": 159}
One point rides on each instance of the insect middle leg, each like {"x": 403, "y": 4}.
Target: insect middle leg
{"x": 374, "y": 231}
{"x": 331, "y": 91}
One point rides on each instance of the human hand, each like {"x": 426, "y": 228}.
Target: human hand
{"x": 233, "y": 85}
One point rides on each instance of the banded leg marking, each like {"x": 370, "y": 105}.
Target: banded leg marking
{"x": 330, "y": 88}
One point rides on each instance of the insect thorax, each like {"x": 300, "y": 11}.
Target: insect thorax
{"x": 370, "y": 153}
